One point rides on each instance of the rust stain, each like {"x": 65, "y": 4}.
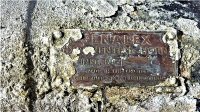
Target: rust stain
{"x": 138, "y": 59}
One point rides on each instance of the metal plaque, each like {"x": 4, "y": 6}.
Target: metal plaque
{"x": 120, "y": 58}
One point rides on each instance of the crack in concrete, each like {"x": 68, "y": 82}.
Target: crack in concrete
{"x": 30, "y": 84}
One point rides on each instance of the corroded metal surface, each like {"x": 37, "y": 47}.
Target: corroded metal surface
{"x": 121, "y": 58}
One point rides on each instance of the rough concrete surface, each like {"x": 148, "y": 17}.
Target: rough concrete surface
{"x": 35, "y": 72}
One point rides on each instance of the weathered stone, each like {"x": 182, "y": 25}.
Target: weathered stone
{"x": 57, "y": 34}
{"x": 103, "y": 8}
{"x": 34, "y": 72}
{"x": 188, "y": 27}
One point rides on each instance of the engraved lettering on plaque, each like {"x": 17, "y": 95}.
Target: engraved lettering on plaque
{"x": 121, "y": 58}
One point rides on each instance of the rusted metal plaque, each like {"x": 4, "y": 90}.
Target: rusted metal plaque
{"x": 121, "y": 58}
